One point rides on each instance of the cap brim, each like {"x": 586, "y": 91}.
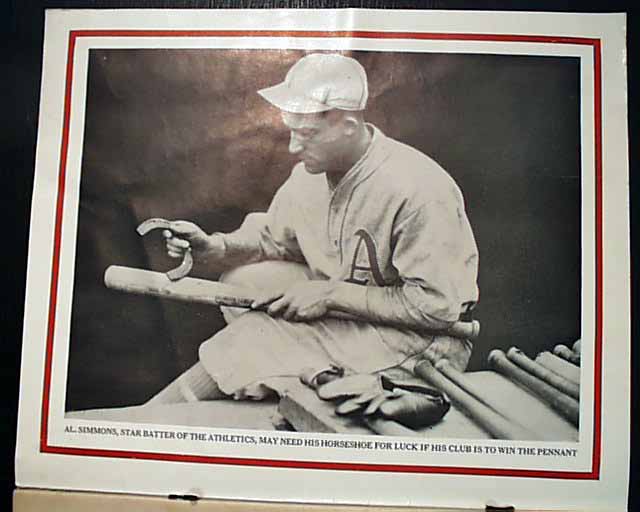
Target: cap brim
{"x": 283, "y": 97}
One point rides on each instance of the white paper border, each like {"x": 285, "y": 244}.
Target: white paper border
{"x": 61, "y": 471}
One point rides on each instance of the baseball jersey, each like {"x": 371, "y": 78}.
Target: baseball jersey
{"x": 396, "y": 219}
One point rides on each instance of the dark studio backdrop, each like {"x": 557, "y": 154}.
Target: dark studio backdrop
{"x": 182, "y": 134}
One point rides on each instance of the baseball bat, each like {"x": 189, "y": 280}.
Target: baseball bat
{"x": 567, "y": 354}
{"x": 202, "y": 291}
{"x": 563, "y": 404}
{"x": 463, "y": 382}
{"x": 498, "y": 426}
{"x": 565, "y": 385}
{"x": 386, "y": 427}
{"x": 577, "y": 347}
{"x": 560, "y": 366}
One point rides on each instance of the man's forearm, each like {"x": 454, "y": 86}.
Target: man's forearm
{"x": 255, "y": 241}
{"x": 234, "y": 251}
{"x": 385, "y": 305}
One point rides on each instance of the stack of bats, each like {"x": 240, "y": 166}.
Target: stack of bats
{"x": 552, "y": 377}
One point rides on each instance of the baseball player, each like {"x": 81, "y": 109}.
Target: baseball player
{"x": 368, "y": 225}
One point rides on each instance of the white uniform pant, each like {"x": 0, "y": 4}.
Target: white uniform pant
{"x": 255, "y": 347}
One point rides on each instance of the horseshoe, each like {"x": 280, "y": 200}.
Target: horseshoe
{"x": 187, "y": 262}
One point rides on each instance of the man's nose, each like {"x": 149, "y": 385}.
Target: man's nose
{"x": 295, "y": 146}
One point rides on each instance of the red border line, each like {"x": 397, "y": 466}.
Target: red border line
{"x": 357, "y": 34}
{"x": 594, "y": 474}
{"x": 64, "y": 147}
{"x": 597, "y": 372}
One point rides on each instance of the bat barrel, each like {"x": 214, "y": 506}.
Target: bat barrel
{"x": 567, "y": 354}
{"x": 565, "y": 405}
{"x": 386, "y": 427}
{"x": 577, "y": 347}
{"x": 495, "y": 424}
{"x": 565, "y": 385}
{"x": 560, "y": 366}
{"x": 188, "y": 289}
{"x": 479, "y": 392}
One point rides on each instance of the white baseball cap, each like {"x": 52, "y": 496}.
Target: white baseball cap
{"x": 319, "y": 82}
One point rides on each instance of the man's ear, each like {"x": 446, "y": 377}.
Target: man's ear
{"x": 350, "y": 124}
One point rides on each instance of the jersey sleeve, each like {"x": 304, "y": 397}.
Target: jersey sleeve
{"x": 436, "y": 258}
{"x": 269, "y": 235}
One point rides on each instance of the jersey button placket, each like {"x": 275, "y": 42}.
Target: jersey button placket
{"x": 334, "y": 225}
{"x": 337, "y": 213}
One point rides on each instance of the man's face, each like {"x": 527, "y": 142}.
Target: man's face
{"x": 318, "y": 140}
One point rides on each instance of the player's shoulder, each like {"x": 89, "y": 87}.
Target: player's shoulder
{"x": 415, "y": 173}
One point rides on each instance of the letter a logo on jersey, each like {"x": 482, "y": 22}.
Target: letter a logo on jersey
{"x": 364, "y": 264}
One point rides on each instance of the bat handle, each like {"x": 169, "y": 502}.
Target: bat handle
{"x": 465, "y": 330}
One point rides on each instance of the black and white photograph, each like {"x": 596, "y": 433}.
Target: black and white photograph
{"x": 399, "y": 232}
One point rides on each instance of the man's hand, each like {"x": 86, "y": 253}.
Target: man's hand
{"x": 183, "y": 236}
{"x": 303, "y": 301}
{"x": 457, "y": 351}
